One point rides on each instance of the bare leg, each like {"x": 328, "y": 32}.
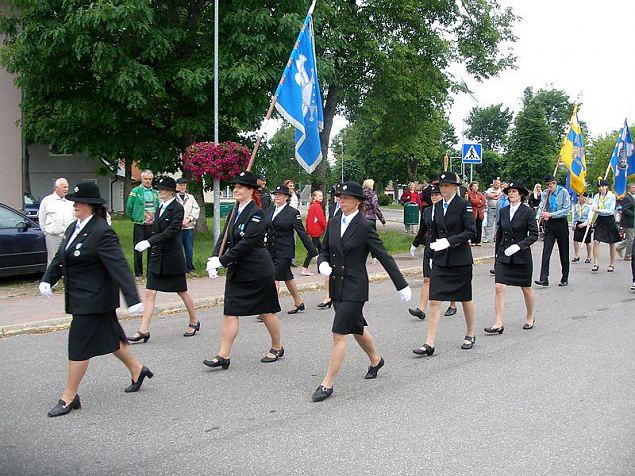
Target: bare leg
{"x": 273, "y": 326}
{"x": 453, "y": 304}
{"x": 576, "y": 249}
{"x": 367, "y": 343}
{"x": 327, "y": 297}
{"x": 149, "y": 298}
{"x": 76, "y": 371}
{"x": 589, "y": 251}
{"x": 500, "y": 304}
{"x": 468, "y": 310}
{"x": 228, "y": 334}
{"x": 433, "y": 322}
{"x": 338, "y": 352}
{"x": 189, "y": 305}
{"x": 596, "y": 253}
{"x": 293, "y": 289}
{"x": 528, "y": 294}
{"x": 425, "y": 293}
{"x": 125, "y": 355}
{"x": 612, "y": 253}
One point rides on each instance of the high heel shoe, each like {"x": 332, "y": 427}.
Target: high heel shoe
{"x": 471, "y": 340}
{"x": 62, "y": 408}
{"x": 324, "y": 305}
{"x": 417, "y": 313}
{"x": 218, "y": 361}
{"x": 425, "y": 349}
{"x": 494, "y": 330}
{"x": 372, "y": 371}
{"x": 528, "y": 327}
{"x": 297, "y": 308}
{"x": 277, "y": 354}
{"x": 135, "y": 386}
{"x": 322, "y": 393}
{"x": 139, "y": 336}
{"x": 196, "y": 327}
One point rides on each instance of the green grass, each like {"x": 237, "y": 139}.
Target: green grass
{"x": 395, "y": 242}
{"x": 393, "y": 206}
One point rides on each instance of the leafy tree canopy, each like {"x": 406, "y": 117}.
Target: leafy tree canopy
{"x": 489, "y": 125}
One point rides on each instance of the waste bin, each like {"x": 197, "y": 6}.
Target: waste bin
{"x": 226, "y": 208}
{"x": 411, "y": 214}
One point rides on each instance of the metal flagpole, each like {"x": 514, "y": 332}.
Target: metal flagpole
{"x": 216, "y": 180}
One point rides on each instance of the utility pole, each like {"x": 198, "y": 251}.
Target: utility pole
{"x": 216, "y": 180}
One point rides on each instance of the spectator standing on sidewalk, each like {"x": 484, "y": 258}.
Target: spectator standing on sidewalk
{"x": 191, "y": 214}
{"x": 141, "y": 207}
{"x": 492, "y": 195}
{"x": 477, "y": 199}
{"x": 315, "y": 227}
{"x": 627, "y": 222}
{"x": 411, "y": 196}
{"x": 54, "y": 216}
{"x": 371, "y": 209}
{"x": 265, "y": 195}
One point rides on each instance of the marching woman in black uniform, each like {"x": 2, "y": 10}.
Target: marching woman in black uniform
{"x": 423, "y": 238}
{"x": 348, "y": 240}
{"x": 95, "y": 270}
{"x": 250, "y": 288}
{"x": 451, "y": 274}
{"x": 166, "y": 266}
{"x": 284, "y": 221}
{"x": 516, "y": 231}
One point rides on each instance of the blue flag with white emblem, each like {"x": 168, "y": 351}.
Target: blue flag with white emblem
{"x": 299, "y": 99}
{"x": 623, "y": 161}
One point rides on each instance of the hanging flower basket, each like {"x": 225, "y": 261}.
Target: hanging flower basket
{"x": 222, "y": 161}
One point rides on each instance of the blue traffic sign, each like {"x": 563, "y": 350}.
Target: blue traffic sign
{"x": 472, "y": 154}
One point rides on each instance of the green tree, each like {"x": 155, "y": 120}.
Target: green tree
{"x": 557, "y": 106}
{"x": 489, "y": 125}
{"x": 493, "y": 166}
{"x": 277, "y": 160}
{"x": 598, "y": 156}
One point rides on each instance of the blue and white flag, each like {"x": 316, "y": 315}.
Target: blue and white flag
{"x": 299, "y": 99}
{"x": 623, "y": 161}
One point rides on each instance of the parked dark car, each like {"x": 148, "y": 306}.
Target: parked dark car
{"x": 22, "y": 244}
{"x": 31, "y": 206}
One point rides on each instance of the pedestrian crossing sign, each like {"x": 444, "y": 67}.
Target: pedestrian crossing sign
{"x": 472, "y": 154}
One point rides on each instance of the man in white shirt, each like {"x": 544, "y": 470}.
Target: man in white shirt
{"x": 191, "y": 214}
{"x": 54, "y": 216}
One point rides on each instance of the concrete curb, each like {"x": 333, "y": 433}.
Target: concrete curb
{"x": 63, "y": 323}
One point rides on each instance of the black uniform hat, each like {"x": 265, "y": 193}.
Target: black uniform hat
{"x": 352, "y": 189}
{"x": 449, "y": 177}
{"x": 549, "y": 178}
{"x": 516, "y": 186}
{"x": 167, "y": 183}
{"x": 434, "y": 189}
{"x": 86, "y": 192}
{"x": 248, "y": 179}
{"x": 602, "y": 183}
{"x": 181, "y": 180}
{"x": 282, "y": 189}
{"x": 335, "y": 187}
{"x": 261, "y": 177}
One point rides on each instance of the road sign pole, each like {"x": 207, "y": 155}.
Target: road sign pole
{"x": 471, "y": 173}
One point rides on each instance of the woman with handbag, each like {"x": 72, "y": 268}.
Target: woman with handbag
{"x": 516, "y": 231}
{"x": 94, "y": 269}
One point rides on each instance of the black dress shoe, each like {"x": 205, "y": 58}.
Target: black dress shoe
{"x": 527, "y": 327}
{"x": 563, "y": 283}
{"x": 425, "y": 349}
{"x": 217, "y": 361}
{"x": 372, "y": 371}
{"x": 135, "y": 386}
{"x": 471, "y": 341}
{"x": 196, "y": 327}
{"x": 278, "y": 354}
{"x": 494, "y": 330}
{"x": 322, "y": 393}
{"x": 450, "y": 311}
{"x": 139, "y": 336}
{"x": 542, "y": 282}
{"x": 417, "y": 313}
{"x": 297, "y": 309}
{"x": 492, "y": 272}
{"x": 62, "y": 408}
{"x": 324, "y": 305}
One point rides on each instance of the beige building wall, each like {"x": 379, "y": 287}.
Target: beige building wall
{"x": 10, "y": 142}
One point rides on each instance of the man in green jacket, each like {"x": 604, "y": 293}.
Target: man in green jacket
{"x": 141, "y": 207}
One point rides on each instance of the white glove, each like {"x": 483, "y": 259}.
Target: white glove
{"x": 440, "y": 245}
{"x": 142, "y": 246}
{"x": 405, "y": 294}
{"x": 413, "y": 249}
{"x": 325, "y": 269}
{"x": 136, "y": 309}
{"x": 213, "y": 263}
{"x": 212, "y": 273}
{"x": 45, "y": 289}
{"x": 511, "y": 250}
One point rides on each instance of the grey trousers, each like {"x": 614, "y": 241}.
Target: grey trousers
{"x": 53, "y": 242}
{"x": 490, "y": 224}
{"x": 627, "y": 244}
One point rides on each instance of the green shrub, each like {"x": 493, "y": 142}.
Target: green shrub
{"x": 383, "y": 199}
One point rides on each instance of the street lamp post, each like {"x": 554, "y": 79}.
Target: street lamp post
{"x": 342, "y": 156}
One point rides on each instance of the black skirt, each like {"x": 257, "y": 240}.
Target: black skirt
{"x": 514, "y": 274}
{"x": 451, "y": 283}
{"x": 349, "y": 318}
{"x": 578, "y": 234}
{"x": 94, "y": 334}
{"x": 167, "y": 283}
{"x": 605, "y": 230}
{"x": 283, "y": 269}
{"x": 251, "y": 298}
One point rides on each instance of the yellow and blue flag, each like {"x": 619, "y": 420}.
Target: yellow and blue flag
{"x": 623, "y": 161}
{"x": 572, "y": 154}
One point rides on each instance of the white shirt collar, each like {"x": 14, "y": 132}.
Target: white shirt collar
{"x": 513, "y": 208}
{"x": 279, "y": 208}
{"x": 242, "y": 207}
{"x": 350, "y": 216}
{"x": 83, "y": 223}
{"x": 164, "y": 205}
{"x": 449, "y": 201}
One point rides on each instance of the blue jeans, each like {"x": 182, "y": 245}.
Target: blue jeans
{"x": 187, "y": 238}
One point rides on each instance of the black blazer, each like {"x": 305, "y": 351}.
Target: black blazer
{"x": 332, "y": 209}
{"x": 423, "y": 236}
{"x": 347, "y": 256}
{"x": 458, "y": 227}
{"x": 166, "y": 252}
{"x": 283, "y": 226}
{"x": 246, "y": 257}
{"x": 628, "y": 210}
{"x": 521, "y": 231}
{"x": 94, "y": 269}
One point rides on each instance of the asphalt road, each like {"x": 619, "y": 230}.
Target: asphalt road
{"x": 555, "y": 400}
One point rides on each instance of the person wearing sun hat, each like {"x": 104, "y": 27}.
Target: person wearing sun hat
{"x": 451, "y": 274}
{"x": 250, "y": 287}
{"x": 516, "y": 231}
{"x": 95, "y": 270}
{"x": 605, "y": 228}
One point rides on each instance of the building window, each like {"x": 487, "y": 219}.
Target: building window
{"x": 55, "y": 151}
